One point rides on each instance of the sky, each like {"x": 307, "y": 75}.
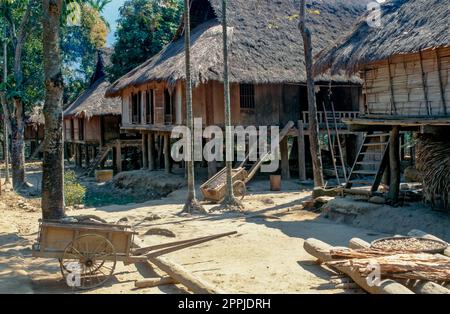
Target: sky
{"x": 111, "y": 14}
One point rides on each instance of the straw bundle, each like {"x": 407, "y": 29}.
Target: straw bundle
{"x": 433, "y": 160}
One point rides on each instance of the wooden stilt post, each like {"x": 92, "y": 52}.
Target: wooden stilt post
{"x": 394, "y": 160}
{"x": 160, "y": 150}
{"x": 80, "y": 154}
{"x": 284, "y": 150}
{"x": 301, "y": 151}
{"x": 86, "y": 156}
{"x": 386, "y": 180}
{"x": 119, "y": 158}
{"x": 167, "y": 165}
{"x": 151, "y": 151}
{"x": 144, "y": 151}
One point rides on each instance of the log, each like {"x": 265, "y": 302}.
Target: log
{"x": 181, "y": 275}
{"x": 321, "y": 251}
{"x": 420, "y": 287}
{"x": 428, "y": 287}
{"x": 153, "y": 282}
{"x": 357, "y": 243}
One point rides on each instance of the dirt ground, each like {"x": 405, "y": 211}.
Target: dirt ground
{"x": 266, "y": 256}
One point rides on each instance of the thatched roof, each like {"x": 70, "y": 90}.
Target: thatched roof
{"x": 92, "y": 102}
{"x": 408, "y": 26}
{"x": 265, "y": 43}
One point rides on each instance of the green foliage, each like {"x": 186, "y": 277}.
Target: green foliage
{"x": 79, "y": 44}
{"x": 74, "y": 192}
{"x": 144, "y": 28}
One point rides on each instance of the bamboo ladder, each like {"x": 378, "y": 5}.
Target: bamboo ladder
{"x": 331, "y": 142}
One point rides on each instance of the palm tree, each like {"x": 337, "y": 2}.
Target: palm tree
{"x": 230, "y": 201}
{"x": 99, "y": 6}
{"x": 313, "y": 124}
{"x": 191, "y": 204}
{"x": 52, "y": 167}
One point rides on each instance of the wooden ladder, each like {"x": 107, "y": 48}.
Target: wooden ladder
{"x": 378, "y": 166}
{"x": 253, "y": 168}
{"x": 334, "y": 143}
{"x": 101, "y": 155}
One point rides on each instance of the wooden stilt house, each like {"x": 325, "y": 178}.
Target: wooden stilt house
{"x": 267, "y": 73}
{"x": 92, "y": 124}
{"x": 405, "y": 66}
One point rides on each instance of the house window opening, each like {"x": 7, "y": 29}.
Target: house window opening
{"x": 247, "y": 95}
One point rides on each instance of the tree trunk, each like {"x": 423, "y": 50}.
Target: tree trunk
{"x": 6, "y": 124}
{"x": 53, "y": 167}
{"x": 191, "y": 202}
{"x": 18, "y": 146}
{"x": 230, "y": 200}
{"x": 316, "y": 155}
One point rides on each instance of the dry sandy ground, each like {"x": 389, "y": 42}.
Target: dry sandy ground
{"x": 266, "y": 256}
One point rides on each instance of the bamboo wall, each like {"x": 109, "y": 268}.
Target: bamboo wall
{"x": 409, "y": 85}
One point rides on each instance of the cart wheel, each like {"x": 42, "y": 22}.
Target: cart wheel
{"x": 91, "y": 259}
{"x": 239, "y": 189}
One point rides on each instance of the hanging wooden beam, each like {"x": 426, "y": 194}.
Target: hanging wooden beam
{"x": 424, "y": 85}
{"x": 441, "y": 83}
{"x": 391, "y": 88}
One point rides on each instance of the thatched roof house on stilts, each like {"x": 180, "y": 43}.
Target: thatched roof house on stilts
{"x": 92, "y": 122}
{"x": 405, "y": 65}
{"x": 267, "y": 74}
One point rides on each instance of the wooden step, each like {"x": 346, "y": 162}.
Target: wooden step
{"x": 367, "y": 172}
{"x": 376, "y": 144}
{"x": 361, "y": 182}
{"x": 369, "y": 163}
{"x": 372, "y": 153}
{"x": 377, "y": 134}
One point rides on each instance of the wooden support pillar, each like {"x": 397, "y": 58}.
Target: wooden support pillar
{"x": 144, "y": 151}
{"x": 86, "y": 156}
{"x": 79, "y": 153}
{"x": 386, "y": 179}
{"x": 394, "y": 161}
{"x": 118, "y": 157}
{"x": 167, "y": 165}
{"x": 151, "y": 151}
{"x": 284, "y": 150}
{"x": 301, "y": 151}
{"x": 160, "y": 151}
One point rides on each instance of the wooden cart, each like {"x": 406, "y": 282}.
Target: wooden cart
{"x": 214, "y": 190}
{"x": 90, "y": 251}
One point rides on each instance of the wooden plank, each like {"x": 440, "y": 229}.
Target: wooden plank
{"x": 441, "y": 82}
{"x": 424, "y": 84}
{"x": 321, "y": 251}
{"x": 184, "y": 277}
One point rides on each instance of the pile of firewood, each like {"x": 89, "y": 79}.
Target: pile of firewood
{"x": 433, "y": 161}
{"x": 399, "y": 272}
